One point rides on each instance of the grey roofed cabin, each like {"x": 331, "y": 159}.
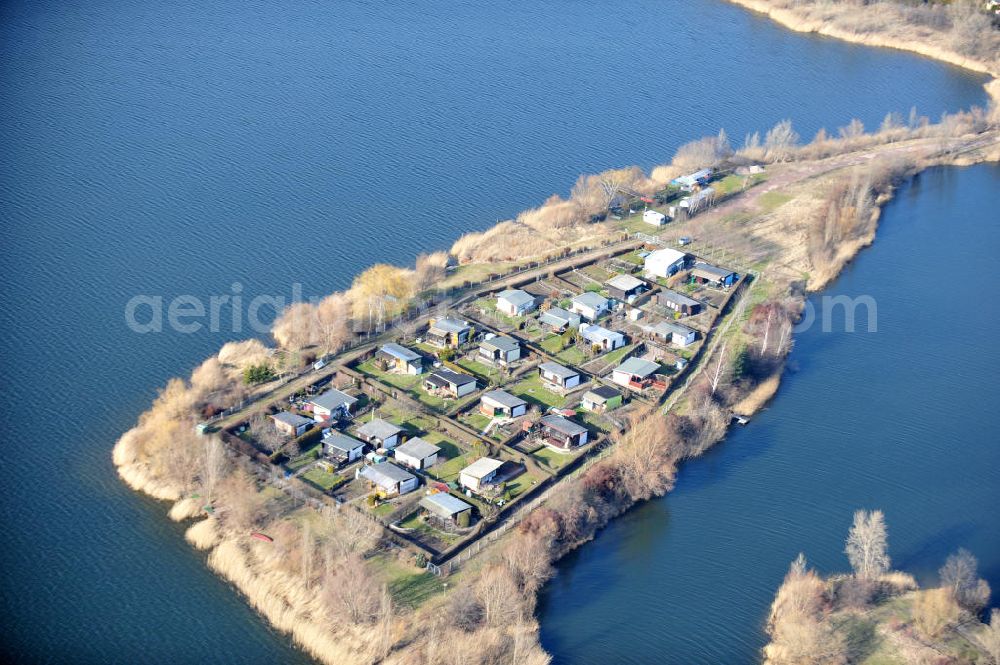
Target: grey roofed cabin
{"x": 505, "y": 398}
{"x": 293, "y": 420}
{"x": 444, "y": 378}
{"x": 708, "y": 273}
{"x": 601, "y": 394}
{"x": 448, "y": 332}
{"x": 342, "y": 442}
{"x": 559, "y": 318}
{"x": 564, "y": 425}
{"x": 448, "y": 324}
{"x": 591, "y": 300}
{"x": 418, "y": 448}
{"x": 444, "y": 505}
{"x": 342, "y": 446}
{"x": 609, "y": 340}
{"x": 563, "y": 432}
{"x": 390, "y": 477}
{"x": 333, "y": 399}
{"x": 400, "y": 352}
{"x": 638, "y": 367}
{"x": 379, "y": 429}
{"x": 623, "y": 287}
{"x": 516, "y": 297}
{"x": 558, "y": 370}
{"x": 500, "y": 343}
{"x": 677, "y": 302}
{"x": 669, "y": 328}
{"x": 479, "y": 473}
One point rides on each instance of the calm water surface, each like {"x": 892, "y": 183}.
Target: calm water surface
{"x": 178, "y": 147}
{"x": 899, "y": 419}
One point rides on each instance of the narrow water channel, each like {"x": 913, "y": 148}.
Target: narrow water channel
{"x": 900, "y": 419}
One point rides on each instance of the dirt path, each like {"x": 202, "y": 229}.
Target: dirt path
{"x": 790, "y": 174}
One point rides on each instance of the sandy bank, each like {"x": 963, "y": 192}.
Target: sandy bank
{"x": 794, "y": 19}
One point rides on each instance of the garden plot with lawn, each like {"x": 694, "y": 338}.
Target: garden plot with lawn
{"x": 531, "y": 390}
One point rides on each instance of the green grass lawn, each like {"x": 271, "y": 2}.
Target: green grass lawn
{"x": 412, "y": 590}
{"x": 414, "y": 521}
{"x": 771, "y": 200}
{"x": 408, "y": 420}
{"x": 552, "y": 459}
{"x": 481, "y": 370}
{"x": 596, "y": 272}
{"x": 632, "y": 258}
{"x": 439, "y": 403}
{"x": 383, "y": 509}
{"x": 429, "y": 350}
{"x": 449, "y": 448}
{"x": 571, "y": 355}
{"x": 593, "y": 420}
{"x": 448, "y": 471}
{"x": 411, "y": 521}
{"x": 552, "y": 344}
{"x": 476, "y": 420}
{"x": 401, "y": 381}
{"x": 519, "y": 485}
{"x": 532, "y": 327}
{"x": 635, "y": 223}
{"x": 305, "y": 458}
{"x": 408, "y": 586}
{"x": 324, "y": 480}
{"x": 616, "y": 356}
{"x": 487, "y": 304}
{"x": 731, "y": 183}
{"x": 531, "y": 390}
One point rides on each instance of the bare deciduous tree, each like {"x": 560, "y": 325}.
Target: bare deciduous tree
{"x": 296, "y": 327}
{"x": 265, "y": 433}
{"x": 350, "y": 532}
{"x": 867, "y": 544}
{"x": 705, "y": 152}
{"x": 853, "y": 131}
{"x": 960, "y": 574}
{"x": 350, "y": 590}
{"x": 527, "y": 557}
{"x": 431, "y": 269}
{"x": 646, "y": 454}
{"x": 720, "y": 368}
{"x": 464, "y": 610}
{"x": 333, "y": 322}
{"x": 780, "y": 140}
{"x": 242, "y": 506}
{"x": 498, "y": 595}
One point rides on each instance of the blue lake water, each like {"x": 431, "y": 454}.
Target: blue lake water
{"x": 177, "y": 147}
{"x": 898, "y": 419}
